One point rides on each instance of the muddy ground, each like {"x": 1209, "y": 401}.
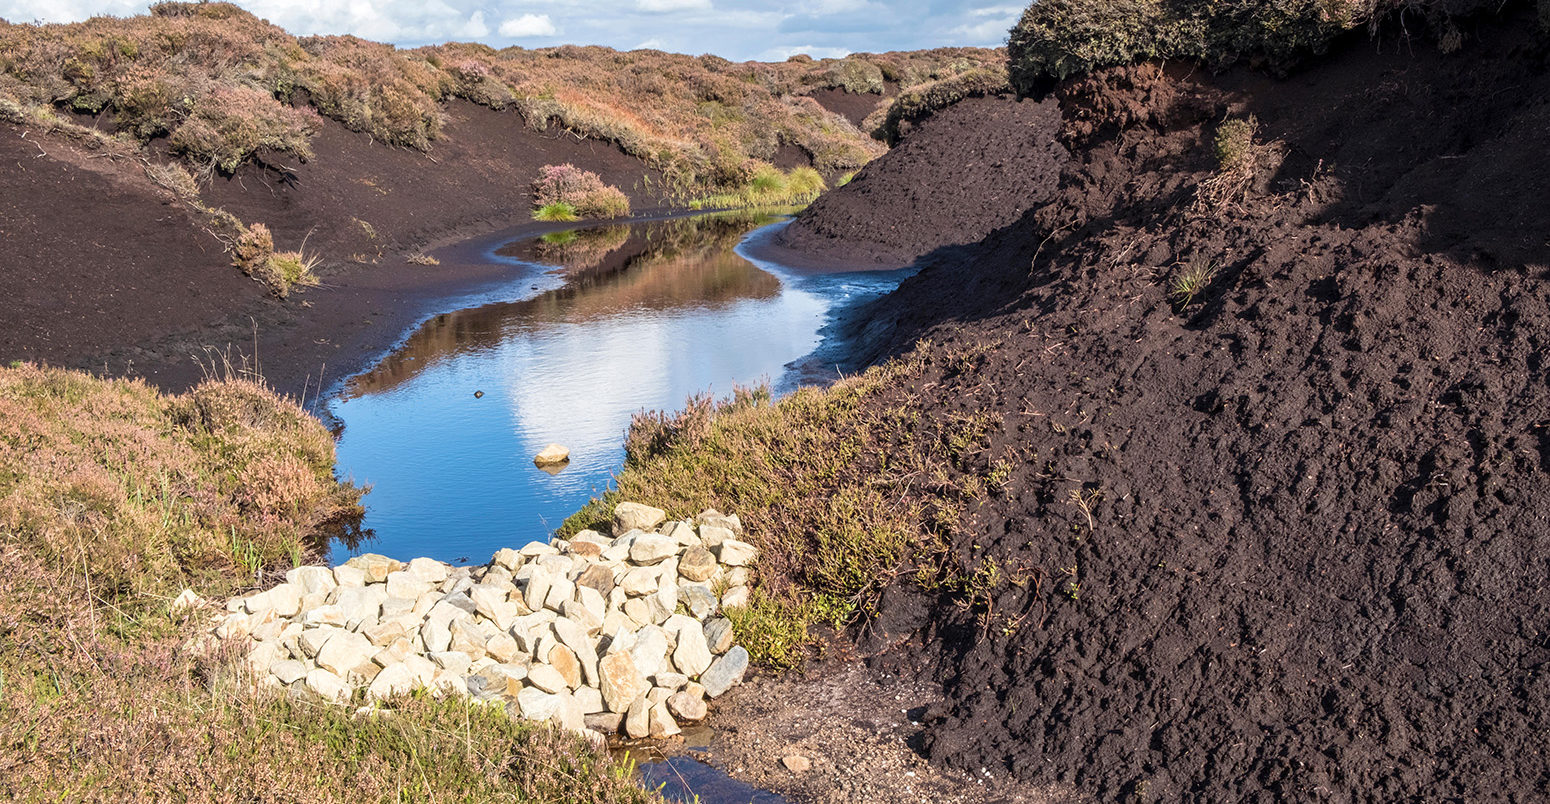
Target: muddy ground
{"x": 1285, "y": 538}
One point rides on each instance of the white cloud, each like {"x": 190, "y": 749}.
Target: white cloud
{"x": 822, "y": 8}
{"x": 662, "y": 6}
{"x": 992, "y": 30}
{"x": 783, "y": 53}
{"x": 528, "y": 25}
{"x": 25, "y": 11}
{"x": 651, "y": 44}
{"x": 475, "y": 28}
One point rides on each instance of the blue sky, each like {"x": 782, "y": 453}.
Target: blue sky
{"x": 735, "y": 29}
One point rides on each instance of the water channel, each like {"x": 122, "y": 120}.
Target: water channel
{"x": 596, "y": 325}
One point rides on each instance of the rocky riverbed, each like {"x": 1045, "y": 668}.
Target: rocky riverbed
{"x": 601, "y": 634}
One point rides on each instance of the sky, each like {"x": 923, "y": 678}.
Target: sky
{"x": 734, "y": 29}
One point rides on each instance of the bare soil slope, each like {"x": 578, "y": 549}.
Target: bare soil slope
{"x": 1289, "y": 540}
{"x": 1002, "y": 161}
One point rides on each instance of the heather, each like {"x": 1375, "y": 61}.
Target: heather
{"x": 581, "y": 192}
{"x": 1057, "y": 39}
{"x": 224, "y": 87}
{"x": 113, "y": 497}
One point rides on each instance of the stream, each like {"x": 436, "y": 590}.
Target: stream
{"x": 595, "y": 325}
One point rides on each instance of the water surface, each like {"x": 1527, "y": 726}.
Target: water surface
{"x": 445, "y": 428}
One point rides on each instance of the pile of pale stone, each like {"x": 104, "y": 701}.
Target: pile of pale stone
{"x": 595, "y": 634}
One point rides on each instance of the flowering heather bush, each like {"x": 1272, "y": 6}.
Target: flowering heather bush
{"x": 582, "y": 190}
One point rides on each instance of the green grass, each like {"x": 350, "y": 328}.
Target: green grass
{"x": 1191, "y": 280}
{"x": 843, "y": 490}
{"x": 557, "y": 211}
{"x": 113, "y": 497}
{"x": 767, "y": 187}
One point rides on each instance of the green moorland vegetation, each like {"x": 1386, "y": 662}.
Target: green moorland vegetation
{"x": 113, "y": 497}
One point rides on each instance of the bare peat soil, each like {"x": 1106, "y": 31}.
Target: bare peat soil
{"x": 1287, "y": 539}
{"x": 982, "y": 164}
{"x": 105, "y": 270}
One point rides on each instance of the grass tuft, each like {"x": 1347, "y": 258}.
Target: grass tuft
{"x": 556, "y": 211}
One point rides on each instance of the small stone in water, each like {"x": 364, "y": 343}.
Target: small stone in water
{"x": 552, "y": 455}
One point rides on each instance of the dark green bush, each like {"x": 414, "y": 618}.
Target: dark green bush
{"x": 1056, "y": 39}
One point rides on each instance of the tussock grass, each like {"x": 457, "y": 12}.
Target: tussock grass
{"x": 767, "y": 187}
{"x": 113, "y": 497}
{"x": 557, "y": 211}
{"x": 1240, "y": 161}
{"x": 841, "y": 491}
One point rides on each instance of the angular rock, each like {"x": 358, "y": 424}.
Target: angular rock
{"x": 429, "y": 569}
{"x": 585, "y": 549}
{"x": 398, "y": 679}
{"x": 635, "y": 516}
{"x": 697, "y": 564}
{"x": 735, "y": 598}
{"x": 312, "y": 640}
{"x": 712, "y": 536}
{"x": 637, "y": 722}
{"x": 546, "y": 678}
{"x": 738, "y": 576}
{"x": 687, "y": 707}
{"x": 396, "y": 651}
{"x": 692, "y": 655}
{"x": 502, "y": 647}
{"x": 375, "y": 567}
{"x": 561, "y": 591}
{"x": 552, "y": 455}
{"x": 597, "y": 577}
{"x": 662, "y": 723}
{"x": 345, "y": 652}
{"x": 535, "y": 704}
{"x": 734, "y": 553}
{"x": 564, "y": 660}
{"x": 537, "y": 588}
{"x": 651, "y": 549}
{"x": 649, "y": 651}
{"x": 288, "y": 671}
{"x": 726, "y": 672}
{"x": 494, "y": 603}
{"x": 345, "y": 575}
{"x": 452, "y": 660}
{"x": 604, "y": 722}
{"x": 698, "y": 599}
{"x": 796, "y": 763}
{"x": 641, "y": 581}
{"x": 507, "y": 558}
{"x": 327, "y": 686}
{"x": 621, "y": 682}
{"x": 670, "y": 681}
{"x": 312, "y": 580}
{"x": 406, "y": 584}
{"x": 718, "y": 635}
{"x": 590, "y": 699}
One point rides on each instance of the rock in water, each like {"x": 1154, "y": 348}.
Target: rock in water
{"x": 552, "y": 455}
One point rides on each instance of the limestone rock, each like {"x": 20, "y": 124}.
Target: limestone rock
{"x": 598, "y": 578}
{"x": 640, "y": 581}
{"x": 637, "y": 722}
{"x": 536, "y": 704}
{"x": 546, "y": 678}
{"x": 718, "y": 635}
{"x": 735, "y": 598}
{"x": 712, "y": 536}
{"x": 345, "y": 652}
{"x": 604, "y": 722}
{"x": 398, "y": 679}
{"x": 726, "y": 672}
{"x": 552, "y": 455}
{"x": 692, "y": 655}
{"x": 687, "y": 707}
{"x": 564, "y": 660}
{"x": 734, "y": 553}
{"x": 796, "y": 763}
{"x": 697, "y": 564}
{"x": 621, "y": 683}
{"x": 327, "y": 686}
{"x": 289, "y": 671}
{"x": 649, "y": 550}
{"x": 375, "y": 567}
{"x": 635, "y": 516}
{"x": 312, "y": 580}
{"x": 662, "y": 723}
{"x": 187, "y": 600}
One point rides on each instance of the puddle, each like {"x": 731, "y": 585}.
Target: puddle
{"x": 685, "y": 778}
{"x": 445, "y": 428}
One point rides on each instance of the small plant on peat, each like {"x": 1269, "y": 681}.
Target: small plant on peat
{"x": 1240, "y": 161}
{"x": 557, "y": 211}
{"x": 1190, "y": 281}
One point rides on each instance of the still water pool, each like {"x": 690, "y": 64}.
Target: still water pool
{"x": 445, "y": 428}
